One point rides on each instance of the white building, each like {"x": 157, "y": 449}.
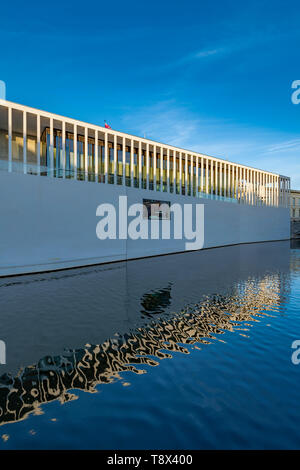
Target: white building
{"x": 43, "y": 155}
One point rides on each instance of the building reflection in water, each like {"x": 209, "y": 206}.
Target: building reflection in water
{"x": 56, "y": 377}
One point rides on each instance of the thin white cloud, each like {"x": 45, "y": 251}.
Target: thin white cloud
{"x": 266, "y": 149}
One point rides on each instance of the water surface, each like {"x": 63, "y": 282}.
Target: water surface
{"x": 187, "y": 351}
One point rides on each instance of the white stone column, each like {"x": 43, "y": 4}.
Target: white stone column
{"x": 24, "y": 142}
{"x": 86, "y": 166}
{"x": 225, "y": 179}
{"x": 154, "y": 167}
{"x": 10, "y": 139}
{"x": 131, "y": 162}
{"x": 161, "y": 169}
{"x": 124, "y": 161}
{"x": 38, "y": 143}
{"x": 174, "y": 172}
{"x": 220, "y": 179}
{"x": 96, "y": 157}
{"x": 197, "y": 176}
{"x": 201, "y": 175}
{"x": 51, "y": 150}
{"x": 206, "y": 176}
{"x": 211, "y": 176}
{"x": 63, "y": 143}
{"x": 140, "y": 164}
{"x": 115, "y": 159}
{"x": 147, "y": 164}
{"x": 106, "y": 158}
{"x": 192, "y": 176}
{"x": 168, "y": 170}
{"x": 186, "y": 173}
{"x": 180, "y": 172}
{"x": 75, "y": 151}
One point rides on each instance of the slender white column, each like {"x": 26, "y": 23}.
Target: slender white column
{"x": 106, "y": 157}
{"x": 140, "y": 164}
{"x": 225, "y": 179}
{"x": 75, "y": 151}
{"x": 206, "y": 176}
{"x": 254, "y": 187}
{"x": 147, "y": 164}
{"x": 10, "y": 140}
{"x": 63, "y": 142}
{"x": 211, "y": 175}
{"x": 86, "y": 166}
{"x": 51, "y": 150}
{"x": 220, "y": 180}
{"x": 24, "y": 142}
{"x": 131, "y": 162}
{"x": 174, "y": 172}
{"x": 201, "y": 175}
{"x": 192, "y": 176}
{"x": 216, "y": 179}
{"x": 168, "y": 170}
{"x": 180, "y": 173}
{"x": 96, "y": 157}
{"x": 161, "y": 169}
{"x": 124, "y": 161}
{"x": 197, "y": 176}
{"x": 186, "y": 174}
{"x": 154, "y": 167}
{"x": 115, "y": 159}
{"x": 38, "y": 144}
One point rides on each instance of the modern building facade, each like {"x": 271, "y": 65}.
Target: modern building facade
{"x": 41, "y": 143}
{"x": 295, "y": 204}
{"x": 50, "y": 164}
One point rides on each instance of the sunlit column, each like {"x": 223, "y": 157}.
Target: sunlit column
{"x": 154, "y": 167}
{"x": 115, "y": 159}
{"x": 161, "y": 186}
{"x": 216, "y": 178}
{"x": 186, "y": 172}
{"x": 192, "y": 176}
{"x": 9, "y": 139}
{"x": 225, "y": 179}
{"x": 51, "y": 148}
{"x": 140, "y": 164}
{"x": 131, "y": 162}
{"x": 147, "y": 164}
{"x": 220, "y": 179}
{"x": 63, "y": 142}
{"x": 96, "y": 157}
{"x": 201, "y": 175}
{"x": 180, "y": 172}
{"x": 86, "y": 166}
{"x": 174, "y": 171}
{"x": 124, "y": 161}
{"x": 25, "y": 142}
{"x": 106, "y": 158}
{"x": 211, "y": 176}
{"x": 38, "y": 143}
{"x": 75, "y": 151}
{"x": 197, "y": 176}
{"x": 206, "y": 176}
{"x": 168, "y": 170}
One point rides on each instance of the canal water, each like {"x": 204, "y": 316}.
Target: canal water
{"x": 187, "y": 351}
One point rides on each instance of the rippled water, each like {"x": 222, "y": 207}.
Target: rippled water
{"x": 187, "y": 351}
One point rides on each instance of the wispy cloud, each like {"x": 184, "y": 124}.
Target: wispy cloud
{"x": 262, "y": 148}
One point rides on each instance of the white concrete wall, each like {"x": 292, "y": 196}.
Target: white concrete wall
{"x": 49, "y": 223}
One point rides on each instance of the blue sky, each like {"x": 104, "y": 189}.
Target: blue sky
{"x": 214, "y": 77}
